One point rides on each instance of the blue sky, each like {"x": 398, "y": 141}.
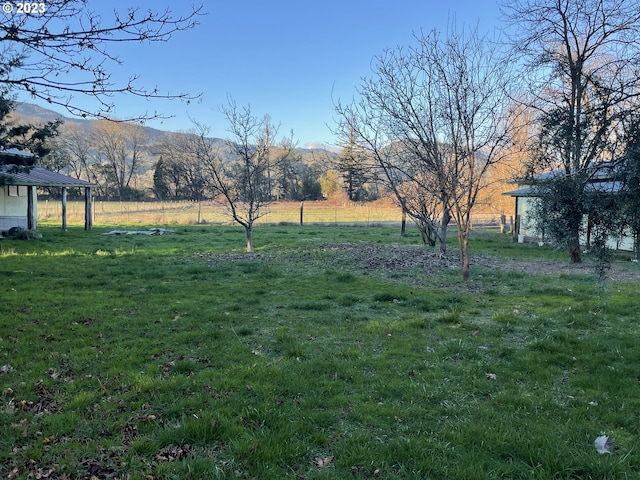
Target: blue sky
{"x": 283, "y": 58}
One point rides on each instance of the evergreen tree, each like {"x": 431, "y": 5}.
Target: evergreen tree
{"x": 160, "y": 187}
{"x": 22, "y": 136}
{"x": 354, "y": 170}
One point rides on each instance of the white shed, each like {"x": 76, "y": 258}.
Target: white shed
{"x": 18, "y": 192}
{"x": 601, "y": 183}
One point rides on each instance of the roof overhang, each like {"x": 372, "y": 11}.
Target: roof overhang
{"x": 39, "y": 177}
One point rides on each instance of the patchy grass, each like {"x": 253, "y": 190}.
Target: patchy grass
{"x": 329, "y": 353}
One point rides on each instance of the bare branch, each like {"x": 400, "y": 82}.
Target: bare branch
{"x": 39, "y": 51}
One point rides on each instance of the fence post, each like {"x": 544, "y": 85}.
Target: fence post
{"x": 301, "y": 212}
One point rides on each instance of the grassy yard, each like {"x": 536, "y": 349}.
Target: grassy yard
{"x": 333, "y": 352}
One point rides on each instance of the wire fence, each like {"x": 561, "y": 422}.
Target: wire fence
{"x": 189, "y": 213}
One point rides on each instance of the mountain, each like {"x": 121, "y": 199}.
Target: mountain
{"x": 35, "y": 113}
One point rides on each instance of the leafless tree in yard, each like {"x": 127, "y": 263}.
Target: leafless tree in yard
{"x": 239, "y": 176}
{"x": 433, "y": 115}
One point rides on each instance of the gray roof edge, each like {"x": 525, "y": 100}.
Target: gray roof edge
{"x": 41, "y": 177}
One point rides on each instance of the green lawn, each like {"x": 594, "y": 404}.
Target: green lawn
{"x": 327, "y": 354}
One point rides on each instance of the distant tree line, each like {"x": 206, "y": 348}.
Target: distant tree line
{"x": 127, "y": 162}
{"x": 179, "y": 172}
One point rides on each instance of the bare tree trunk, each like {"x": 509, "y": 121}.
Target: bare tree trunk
{"x": 404, "y": 223}
{"x": 574, "y": 251}
{"x": 444, "y": 227}
{"x": 249, "y": 233}
{"x": 463, "y": 241}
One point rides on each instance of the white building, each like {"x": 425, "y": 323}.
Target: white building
{"x": 18, "y": 191}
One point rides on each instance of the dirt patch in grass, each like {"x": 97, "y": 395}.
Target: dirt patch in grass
{"x": 401, "y": 258}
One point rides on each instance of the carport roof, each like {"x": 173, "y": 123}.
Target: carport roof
{"x": 40, "y": 177}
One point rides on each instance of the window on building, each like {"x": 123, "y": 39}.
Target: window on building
{"x": 17, "y": 190}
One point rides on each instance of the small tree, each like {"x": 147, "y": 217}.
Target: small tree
{"x": 160, "y": 185}
{"x": 425, "y": 208}
{"x": 240, "y": 176}
{"x": 355, "y": 169}
{"x": 329, "y": 183}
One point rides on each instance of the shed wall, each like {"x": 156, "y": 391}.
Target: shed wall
{"x": 13, "y": 209}
{"x": 527, "y": 227}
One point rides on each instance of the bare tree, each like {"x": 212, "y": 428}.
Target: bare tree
{"x": 120, "y": 152}
{"x": 425, "y": 208}
{"x": 433, "y": 115}
{"x": 240, "y": 176}
{"x": 582, "y": 60}
{"x": 182, "y": 166}
{"x": 75, "y": 141}
{"x": 40, "y": 50}
{"x": 475, "y": 78}
{"x": 400, "y": 141}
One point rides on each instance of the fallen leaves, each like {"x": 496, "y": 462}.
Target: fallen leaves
{"x": 173, "y": 453}
{"x": 44, "y": 404}
{"x": 166, "y": 368}
{"x": 38, "y": 474}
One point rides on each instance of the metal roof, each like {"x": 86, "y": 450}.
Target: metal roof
{"x": 15, "y": 153}
{"x": 611, "y": 186}
{"x": 41, "y": 177}
{"x": 601, "y": 180}
{"x": 524, "y": 192}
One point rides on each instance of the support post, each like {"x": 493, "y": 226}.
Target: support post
{"x": 32, "y": 209}
{"x": 64, "y": 209}
{"x": 88, "y": 216}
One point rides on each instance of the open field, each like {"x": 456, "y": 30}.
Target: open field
{"x": 186, "y": 213}
{"x": 332, "y": 352}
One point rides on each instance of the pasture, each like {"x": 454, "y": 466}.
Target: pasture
{"x": 332, "y": 352}
{"x": 333, "y": 212}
